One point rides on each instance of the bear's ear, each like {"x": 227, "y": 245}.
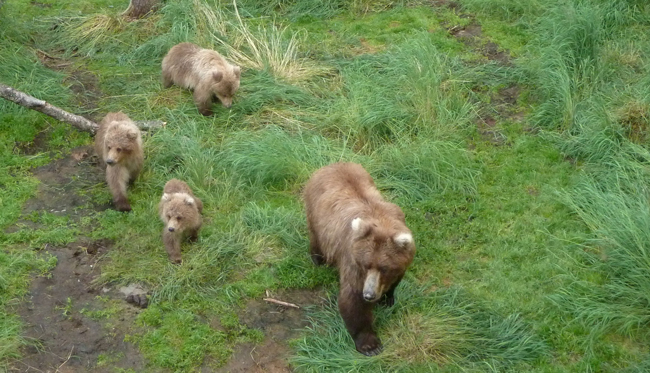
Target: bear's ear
{"x": 189, "y": 201}
{"x": 217, "y": 76}
{"x": 360, "y": 227}
{"x": 403, "y": 239}
{"x": 237, "y": 71}
{"x": 165, "y": 197}
{"x": 131, "y": 135}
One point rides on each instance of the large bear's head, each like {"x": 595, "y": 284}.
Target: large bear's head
{"x": 121, "y": 139}
{"x": 226, "y": 83}
{"x": 178, "y": 211}
{"x": 382, "y": 250}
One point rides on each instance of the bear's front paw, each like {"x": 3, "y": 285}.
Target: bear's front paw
{"x": 368, "y": 344}
{"x": 123, "y": 207}
{"x": 387, "y": 300}
{"x": 205, "y": 112}
{"x": 317, "y": 259}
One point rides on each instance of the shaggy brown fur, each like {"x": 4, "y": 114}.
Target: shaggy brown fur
{"x": 203, "y": 70}
{"x": 181, "y": 212}
{"x": 118, "y": 144}
{"x": 352, "y": 228}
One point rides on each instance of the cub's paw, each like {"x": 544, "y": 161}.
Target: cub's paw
{"x": 368, "y": 344}
{"x": 123, "y": 206}
{"x": 318, "y": 260}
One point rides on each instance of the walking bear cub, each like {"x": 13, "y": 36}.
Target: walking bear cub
{"x": 203, "y": 70}
{"x": 118, "y": 144}
{"x": 181, "y": 212}
{"x": 352, "y": 228}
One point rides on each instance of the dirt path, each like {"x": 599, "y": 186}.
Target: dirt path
{"x": 66, "y": 315}
{"x": 76, "y": 326}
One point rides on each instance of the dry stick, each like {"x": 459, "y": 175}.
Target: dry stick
{"x": 281, "y": 302}
{"x": 79, "y": 122}
{"x": 66, "y": 360}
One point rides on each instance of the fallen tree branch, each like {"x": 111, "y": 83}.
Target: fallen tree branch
{"x": 33, "y": 103}
{"x": 77, "y": 121}
{"x": 281, "y": 302}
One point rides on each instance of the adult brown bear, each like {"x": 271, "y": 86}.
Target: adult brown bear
{"x": 352, "y": 228}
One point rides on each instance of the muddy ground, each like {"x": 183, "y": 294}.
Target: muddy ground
{"x": 75, "y": 325}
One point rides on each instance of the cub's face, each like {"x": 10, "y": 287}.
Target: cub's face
{"x": 225, "y": 85}
{"x": 119, "y": 143}
{"x": 382, "y": 254}
{"x": 178, "y": 211}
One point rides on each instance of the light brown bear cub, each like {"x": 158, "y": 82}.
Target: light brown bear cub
{"x": 203, "y": 70}
{"x": 118, "y": 144}
{"x": 352, "y": 228}
{"x": 181, "y": 212}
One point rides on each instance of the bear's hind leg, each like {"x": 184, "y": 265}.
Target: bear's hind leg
{"x": 314, "y": 249}
{"x": 357, "y": 315}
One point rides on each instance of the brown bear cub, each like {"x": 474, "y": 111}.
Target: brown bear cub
{"x": 181, "y": 212}
{"x": 352, "y": 228}
{"x": 203, "y": 70}
{"x": 118, "y": 144}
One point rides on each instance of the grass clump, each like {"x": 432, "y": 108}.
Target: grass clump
{"x": 423, "y": 331}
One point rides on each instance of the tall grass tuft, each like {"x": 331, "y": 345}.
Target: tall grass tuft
{"x": 614, "y": 205}
{"x": 275, "y": 159}
{"x": 423, "y": 332}
{"x": 409, "y": 91}
{"x": 418, "y": 169}
{"x": 269, "y": 47}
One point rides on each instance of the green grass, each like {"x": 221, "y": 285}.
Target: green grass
{"x": 530, "y": 217}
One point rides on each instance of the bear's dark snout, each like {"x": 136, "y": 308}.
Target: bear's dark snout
{"x": 171, "y": 229}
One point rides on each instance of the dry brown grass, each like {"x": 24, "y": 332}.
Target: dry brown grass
{"x": 420, "y": 339}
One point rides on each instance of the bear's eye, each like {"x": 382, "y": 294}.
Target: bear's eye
{"x": 169, "y": 217}
{"x": 384, "y": 269}
{"x": 179, "y": 218}
{"x": 109, "y": 148}
{"x": 119, "y": 149}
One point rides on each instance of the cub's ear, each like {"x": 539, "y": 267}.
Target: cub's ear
{"x": 217, "y": 76}
{"x": 189, "y": 201}
{"x": 360, "y": 228}
{"x": 131, "y": 136}
{"x": 403, "y": 239}
{"x": 237, "y": 71}
{"x": 165, "y": 197}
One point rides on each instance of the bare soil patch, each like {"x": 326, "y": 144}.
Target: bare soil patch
{"x": 279, "y": 324}
{"x": 73, "y": 324}
{"x": 63, "y": 188}
{"x": 64, "y": 318}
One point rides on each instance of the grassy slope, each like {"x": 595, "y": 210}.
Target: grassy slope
{"x": 507, "y": 275}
